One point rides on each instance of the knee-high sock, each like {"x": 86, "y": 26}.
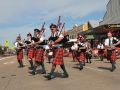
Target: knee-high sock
{"x": 113, "y": 64}
{"x": 31, "y": 63}
{"x": 81, "y": 65}
{"x": 63, "y": 68}
{"x": 52, "y": 70}
{"x": 19, "y": 61}
{"x": 43, "y": 67}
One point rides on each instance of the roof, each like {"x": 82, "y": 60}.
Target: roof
{"x": 94, "y": 23}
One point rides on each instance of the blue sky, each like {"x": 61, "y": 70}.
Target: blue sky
{"x": 23, "y": 16}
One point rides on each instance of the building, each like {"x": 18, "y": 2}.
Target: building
{"x": 73, "y": 33}
{"x": 112, "y": 15}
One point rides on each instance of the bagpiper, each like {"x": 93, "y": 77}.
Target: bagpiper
{"x": 19, "y": 50}
{"x": 55, "y": 41}
{"x": 30, "y": 50}
{"x": 101, "y": 48}
{"x": 111, "y": 50}
{"x": 74, "y": 48}
{"x": 88, "y": 51}
{"x": 39, "y": 52}
{"x": 81, "y": 51}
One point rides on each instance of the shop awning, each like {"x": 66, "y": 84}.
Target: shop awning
{"x": 89, "y": 37}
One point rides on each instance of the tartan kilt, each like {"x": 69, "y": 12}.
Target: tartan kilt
{"x": 39, "y": 55}
{"x": 20, "y": 54}
{"x": 73, "y": 53}
{"x": 58, "y": 57}
{"x": 30, "y": 53}
{"x": 34, "y": 52}
{"x": 88, "y": 55}
{"x": 101, "y": 52}
{"x": 112, "y": 56}
{"x": 82, "y": 56}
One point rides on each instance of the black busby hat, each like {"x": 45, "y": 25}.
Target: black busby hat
{"x": 37, "y": 30}
{"x": 53, "y": 26}
{"x": 29, "y": 34}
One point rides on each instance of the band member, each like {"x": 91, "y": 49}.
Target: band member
{"x": 30, "y": 49}
{"x": 101, "y": 50}
{"x": 81, "y": 51}
{"x": 39, "y": 52}
{"x": 74, "y": 48}
{"x": 47, "y": 51}
{"x": 55, "y": 39}
{"x": 111, "y": 51}
{"x": 19, "y": 49}
{"x": 88, "y": 52}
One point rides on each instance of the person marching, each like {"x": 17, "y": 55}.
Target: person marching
{"x": 19, "y": 49}
{"x": 74, "y": 48}
{"x": 81, "y": 50}
{"x": 50, "y": 53}
{"x": 101, "y": 50}
{"x": 111, "y": 50}
{"x": 39, "y": 52}
{"x": 55, "y": 39}
{"x": 88, "y": 52}
{"x": 30, "y": 50}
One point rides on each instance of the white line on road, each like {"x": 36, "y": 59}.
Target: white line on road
{"x": 8, "y": 62}
{"x": 93, "y": 69}
{"x": 6, "y": 58}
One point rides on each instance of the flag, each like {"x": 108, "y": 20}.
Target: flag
{"x": 12, "y": 47}
{"x": 6, "y": 43}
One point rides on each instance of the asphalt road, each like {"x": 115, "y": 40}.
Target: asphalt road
{"x": 94, "y": 76}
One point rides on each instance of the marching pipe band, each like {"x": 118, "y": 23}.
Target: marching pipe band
{"x": 81, "y": 50}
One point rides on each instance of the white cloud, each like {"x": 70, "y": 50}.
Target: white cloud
{"x": 31, "y": 12}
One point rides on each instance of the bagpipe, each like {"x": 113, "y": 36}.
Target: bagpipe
{"x": 36, "y": 39}
{"x": 65, "y": 38}
{"x": 80, "y": 45}
{"x": 115, "y": 41}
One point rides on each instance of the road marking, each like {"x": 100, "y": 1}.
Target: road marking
{"x": 93, "y": 69}
{"x": 8, "y": 62}
{"x": 6, "y": 58}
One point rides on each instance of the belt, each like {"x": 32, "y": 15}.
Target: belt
{"x": 57, "y": 47}
{"x": 39, "y": 47}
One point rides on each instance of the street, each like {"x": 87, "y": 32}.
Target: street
{"x": 94, "y": 76}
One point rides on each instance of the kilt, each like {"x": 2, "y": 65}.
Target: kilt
{"x": 112, "y": 56}
{"x": 101, "y": 52}
{"x": 82, "y": 56}
{"x": 88, "y": 56}
{"x": 39, "y": 55}
{"x": 30, "y": 53}
{"x": 73, "y": 53}
{"x": 58, "y": 56}
{"x": 20, "y": 54}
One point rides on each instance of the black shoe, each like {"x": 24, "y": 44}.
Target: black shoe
{"x": 80, "y": 68}
{"x": 90, "y": 62}
{"x": 83, "y": 64}
{"x": 66, "y": 76}
{"x": 112, "y": 69}
{"x": 48, "y": 77}
{"x": 43, "y": 72}
{"x": 31, "y": 68}
{"x": 33, "y": 73}
{"x": 20, "y": 66}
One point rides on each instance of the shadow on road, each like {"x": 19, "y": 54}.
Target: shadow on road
{"x": 104, "y": 68}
